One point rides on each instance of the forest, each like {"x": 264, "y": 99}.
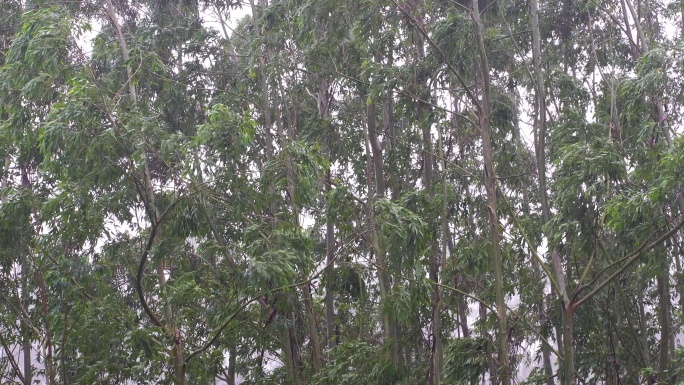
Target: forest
{"x": 318, "y": 192}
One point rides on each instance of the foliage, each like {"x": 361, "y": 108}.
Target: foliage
{"x": 294, "y": 192}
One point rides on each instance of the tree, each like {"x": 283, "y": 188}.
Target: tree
{"x": 381, "y": 192}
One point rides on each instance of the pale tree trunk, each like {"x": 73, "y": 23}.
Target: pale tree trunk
{"x": 679, "y": 283}
{"x": 643, "y": 328}
{"x": 504, "y": 371}
{"x": 288, "y": 340}
{"x": 312, "y": 324}
{"x": 173, "y": 333}
{"x": 541, "y": 160}
{"x": 26, "y": 346}
{"x": 632, "y": 324}
{"x": 26, "y": 339}
{"x": 459, "y": 280}
{"x": 438, "y": 360}
{"x": 49, "y": 359}
{"x": 435, "y": 373}
{"x": 567, "y": 311}
{"x": 663, "y": 276}
{"x": 376, "y": 167}
{"x": 330, "y": 318}
{"x": 663, "y": 283}
{"x": 491, "y": 360}
{"x": 46, "y": 345}
{"x": 424, "y": 96}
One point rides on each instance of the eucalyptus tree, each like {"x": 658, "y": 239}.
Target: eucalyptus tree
{"x": 340, "y": 193}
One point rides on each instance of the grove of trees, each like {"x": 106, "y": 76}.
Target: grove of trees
{"x": 341, "y": 192}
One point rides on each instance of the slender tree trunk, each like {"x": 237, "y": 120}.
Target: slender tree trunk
{"x": 265, "y": 109}
{"x": 436, "y": 356}
{"x": 568, "y": 314}
{"x": 663, "y": 283}
{"x": 26, "y": 339}
{"x": 643, "y": 329}
{"x": 459, "y": 280}
{"x": 435, "y": 374}
{"x": 317, "y": 356}
{"x": 312, "y": 324}
{"x": 632, "y": 325}
{"x": 49, "y": 359}
{"x": 330, "y": 318}
{"x": 642, "y": 43}
{"x": 493, "y": 366}
{"x": 174, "y": 333}
{"x": 26, "y": 346}
{"x": 288, "y": 342}
{"x": 504, "y": 372}
{"x": 377, "y": 168}
{"x": 311, "y": 321}
{"x": 438, "y": 360}
{"x": 232, "y": 361}
{"x": 462, "y": 306}
{"x": 289, "y": 358}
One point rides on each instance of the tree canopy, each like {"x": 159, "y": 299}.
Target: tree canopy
{"x": 341, "y": 192}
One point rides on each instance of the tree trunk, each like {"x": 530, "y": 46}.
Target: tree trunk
{"x": 376, "y": 167}
{"x": 26, "y": 339}
{"x": 24, "y": 328}
{"x": 290, "y": 360}
{"x": 317, "y": 356}
{"x": 663, "y": 283}
{"x": 490, "y": 185}
{"x": 330, "y": 318}
{"x": 568, "y": 315}
{"x": 232, "y": 358}
{"x": 643, "y": 329}
{"x": 153, "y": 212}
{"x": 493, "y": 367}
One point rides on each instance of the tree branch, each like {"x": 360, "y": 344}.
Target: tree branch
{"x": 631, "y": 258}
{"x": 13, "y": 363}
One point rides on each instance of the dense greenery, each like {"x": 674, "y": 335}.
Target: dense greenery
{"x": 341, "y": 192}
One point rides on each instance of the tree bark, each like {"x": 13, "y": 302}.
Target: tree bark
{"x": 232, "y": 360}
{"x": 568, "y": 315}
{"x": 330, "y": 318}
{"x": 663, "y": 283}
{"x": 26, "y": 346}
{"x": 376, "y": 167}
{"x": 26, "y": 339}
{"x": 504, "y": 373}
{"x": 288, "y": 341}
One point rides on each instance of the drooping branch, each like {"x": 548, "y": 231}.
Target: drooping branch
{"x": 139, "y": 276}
{"x": 631, "y": 258}
{"x": 12, "y": 361}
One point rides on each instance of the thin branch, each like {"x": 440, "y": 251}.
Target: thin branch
{"x": 532, "y": 247}
{"x": 631, "y": 258}
{"x": 13, "y": 363}
{"x": 139, "y": 276}
{"x": 141, "y": 267}
{"x": 434, "y": 45}
{"x": 259, "y": 297}
{"x": 220, "y": 329}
